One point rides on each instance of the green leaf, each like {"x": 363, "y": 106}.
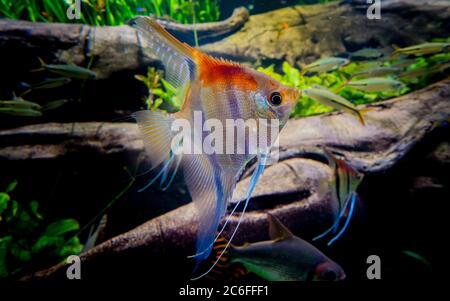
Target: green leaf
{"x": 292, "y": 74}
{"x": 157, "y": 91}
{"x": 11, "y": 186}
{"x": 61, "y": 227}
{"x": 72, "y": 247}
{"x": 26, "y": 222}
{"x": 4, "y": 199}
{"x": 34, "y": 205}
{"x": 157, "y": 103}
{"x": 4, "y": 246}
{"x": 12, "y": 212}
{"x": 47, "y": 242}
{"x": 20, "y": 253}
{"x": 141, "y": 78}
{"x": 169, "y": 88}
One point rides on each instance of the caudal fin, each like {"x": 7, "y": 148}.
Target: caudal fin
{"x": 225, "y": 269}
{"x": 360, "y": 114}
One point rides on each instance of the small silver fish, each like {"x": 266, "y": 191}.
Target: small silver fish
{"x": 20, "y": 103}
{"x": 402, "y": 63}
{"x": 377, "y": 71}
{"x": 415, "y": 74}
{"x": 423, "y": 49}
{"x": 285, "y": 257}
{"x": 50, "y": 83}
{"x": 330, "y": 99}
{"x": 325, "y": 65}
{"x": 367, "y": 53}
{"x": 53, "y": 105}
{"x": 376, "y": 84}
{"x": 20, "y": 112}
{"x": 71, "y": 71}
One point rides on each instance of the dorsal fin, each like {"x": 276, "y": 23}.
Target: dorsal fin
{"x": 182, "y": 63}
{"x": 179, "y": 59}
{"x": 277, "y": 231}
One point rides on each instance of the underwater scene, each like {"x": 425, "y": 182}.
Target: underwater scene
{"x": 198, "y": 142}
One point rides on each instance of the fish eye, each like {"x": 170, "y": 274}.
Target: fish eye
{"x": 329, "y": 275}
{"x": 275, "y": 98}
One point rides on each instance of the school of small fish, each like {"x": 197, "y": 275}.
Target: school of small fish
{"x": 18, "y": 106}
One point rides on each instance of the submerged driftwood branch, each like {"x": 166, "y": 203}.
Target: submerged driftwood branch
{"x": 115, "y": 48}
{"x": 393, "y": 128}
{"x": 296, "y": 34}
{"x": 212, "y": 30}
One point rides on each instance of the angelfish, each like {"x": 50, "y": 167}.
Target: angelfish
{"x": 343, "y": 186}
{"x": 285, "y": 257}
{"x": 214, "y": 89}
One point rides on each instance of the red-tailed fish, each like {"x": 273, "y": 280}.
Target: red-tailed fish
{"x": 214, "y": 89}
{"x": 285, "y": 257}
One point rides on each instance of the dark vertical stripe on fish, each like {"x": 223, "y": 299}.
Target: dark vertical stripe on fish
{"x": 347, "y": 192}
{"x": 191, "y": 66}
{"x": 338, "y": 186}
{"x": 233, "y": 103}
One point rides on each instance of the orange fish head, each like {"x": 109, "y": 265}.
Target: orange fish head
{"x": 273, "y": 99}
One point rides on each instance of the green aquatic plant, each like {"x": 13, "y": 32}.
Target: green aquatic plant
{"x": 110, "y": 12}
{"x": 27, "y": 239}
{"x": 417, "y": 73}
{"x": 159, "y": 90}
